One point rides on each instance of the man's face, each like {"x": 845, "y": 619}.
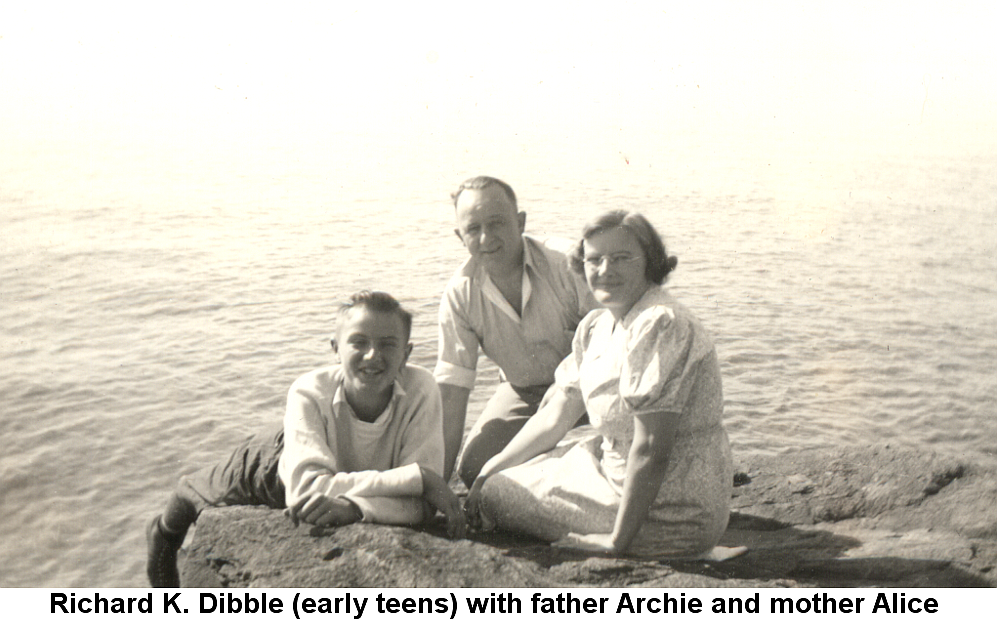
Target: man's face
{"x": 373, "y": 349}
{"x": 491, "y": 229}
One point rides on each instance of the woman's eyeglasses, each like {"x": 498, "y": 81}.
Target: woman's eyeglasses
{"x": 595, "y": 262}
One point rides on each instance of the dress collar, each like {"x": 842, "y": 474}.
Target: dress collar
{"x": 651, "y": 296}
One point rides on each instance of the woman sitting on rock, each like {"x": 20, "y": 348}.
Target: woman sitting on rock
{"x": 657, "y": 479}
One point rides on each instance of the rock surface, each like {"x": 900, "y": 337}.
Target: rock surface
{"x": 870, "y": 516}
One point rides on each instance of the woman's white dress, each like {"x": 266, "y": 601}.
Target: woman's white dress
{"x": 658, "y": 359}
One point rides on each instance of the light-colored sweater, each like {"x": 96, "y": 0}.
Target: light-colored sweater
{"x": 328, "y": 450}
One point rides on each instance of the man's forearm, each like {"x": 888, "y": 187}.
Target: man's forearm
{"x": 454, "y": 417}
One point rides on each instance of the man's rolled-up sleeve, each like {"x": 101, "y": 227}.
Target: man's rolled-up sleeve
{"x": 457, "y": 359}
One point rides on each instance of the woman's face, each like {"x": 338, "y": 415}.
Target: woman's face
{"x": 614, "y": 269}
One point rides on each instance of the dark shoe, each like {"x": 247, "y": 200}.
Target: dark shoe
{"x": 161, "y": 566}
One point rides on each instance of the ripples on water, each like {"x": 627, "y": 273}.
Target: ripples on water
{"x": 151, "y": 322}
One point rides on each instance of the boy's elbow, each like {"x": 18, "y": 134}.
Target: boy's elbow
{"x": 293, "y": 497}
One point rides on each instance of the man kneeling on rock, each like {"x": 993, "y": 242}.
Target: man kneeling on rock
{"x": 362, "y": 441}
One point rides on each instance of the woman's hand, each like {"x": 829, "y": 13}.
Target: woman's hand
{"x": 437, "y": 494}
{"x": 472, "y": 507}
{"x": 599, "y": 543}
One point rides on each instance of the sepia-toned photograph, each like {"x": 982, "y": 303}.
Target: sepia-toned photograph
{"x": 515, "y": 295}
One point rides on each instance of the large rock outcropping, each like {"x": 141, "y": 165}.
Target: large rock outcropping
{"x": 871, "y": 516}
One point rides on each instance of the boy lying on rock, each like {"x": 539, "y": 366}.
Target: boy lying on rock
{"x": 362, "y": 441}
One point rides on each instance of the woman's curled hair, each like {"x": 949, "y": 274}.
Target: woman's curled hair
{"x": 658, "y": 263}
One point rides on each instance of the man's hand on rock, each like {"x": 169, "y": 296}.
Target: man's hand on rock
{"x": 436, "y": 492}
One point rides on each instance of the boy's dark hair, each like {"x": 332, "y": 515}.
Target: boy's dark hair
{"x": 382, "y": 302}
{"x": 658, "y": 263}
{"x": 482, "y": 182}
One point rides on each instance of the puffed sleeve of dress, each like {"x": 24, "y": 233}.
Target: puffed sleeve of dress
{"x": 659, "y": 367}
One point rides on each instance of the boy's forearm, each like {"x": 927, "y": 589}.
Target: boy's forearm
{"x": 405, "y": 481}
{"x": 391, "y": 510}
{"x": 399, "y": 482}
{"x": 392, "y": 497}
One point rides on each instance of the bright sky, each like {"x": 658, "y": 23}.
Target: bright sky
{"x": 808, "y": 69}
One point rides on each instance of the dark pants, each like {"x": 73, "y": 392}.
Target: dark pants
{"x": 247, "y": 477}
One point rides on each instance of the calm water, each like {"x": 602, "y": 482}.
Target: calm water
{"x": 157, "y": 303}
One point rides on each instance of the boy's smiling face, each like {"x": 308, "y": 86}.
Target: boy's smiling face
{"x": 373, "y": 348}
